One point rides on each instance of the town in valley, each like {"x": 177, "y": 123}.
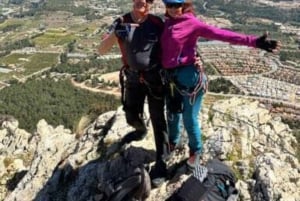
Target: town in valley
{"x": 40, "y": 36}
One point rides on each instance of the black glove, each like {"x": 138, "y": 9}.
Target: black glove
{"x": 268, "y": 45}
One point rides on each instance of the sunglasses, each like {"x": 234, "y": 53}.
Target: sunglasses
{"x": 174, "y": 5}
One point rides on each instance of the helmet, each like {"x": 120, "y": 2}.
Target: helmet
{"x": 173, "y": 1}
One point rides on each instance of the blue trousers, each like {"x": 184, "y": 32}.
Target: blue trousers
{"x": 187, "y": 77}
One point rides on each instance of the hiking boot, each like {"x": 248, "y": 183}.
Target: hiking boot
{"x": 157, "y": 182}
{"x": 194, "y": 160}
{"x": 158, "y": 174}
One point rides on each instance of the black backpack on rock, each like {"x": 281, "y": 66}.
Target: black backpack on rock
{"x": 132, "y": 187}
{"x": 213, "y": 182}
{"x": 124, "y": 180}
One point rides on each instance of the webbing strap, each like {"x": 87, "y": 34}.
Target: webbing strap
{"x": 126, "y": 187}
{"x": 222, "y": 189}
{"x": 145, "y": 186}
{"x": 151, "y": 92}
{"x": 122, "y": 84}
{"x": 142, "y": 80}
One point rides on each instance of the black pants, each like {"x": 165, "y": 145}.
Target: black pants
{"x": 136, "y": 92}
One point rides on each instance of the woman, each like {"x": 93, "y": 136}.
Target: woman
{"x": 181, "y": 32}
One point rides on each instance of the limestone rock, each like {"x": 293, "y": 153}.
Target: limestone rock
{"x": 55, "y": 164}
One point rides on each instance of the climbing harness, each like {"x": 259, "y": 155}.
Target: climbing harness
{"x": 184, "y": 91}
{"x": 142, "y": 80}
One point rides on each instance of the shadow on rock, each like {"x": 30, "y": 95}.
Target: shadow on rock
{"x": 86, "y": 183}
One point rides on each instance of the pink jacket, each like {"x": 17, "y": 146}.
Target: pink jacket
{"x": 180, "y": 36}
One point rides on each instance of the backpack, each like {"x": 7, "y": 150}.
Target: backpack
{"x": 215, "y": 182}
{"x": 124, "y": 181}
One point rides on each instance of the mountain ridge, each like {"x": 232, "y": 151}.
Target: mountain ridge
{"x": 54, "y": 164}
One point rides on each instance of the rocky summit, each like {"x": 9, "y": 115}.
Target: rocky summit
{"x": 55, "y": 164}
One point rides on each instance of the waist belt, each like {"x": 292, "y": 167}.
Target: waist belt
{"x": 151, "y": 68}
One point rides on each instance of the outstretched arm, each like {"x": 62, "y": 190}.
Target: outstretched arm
{"x": 215, "y": 33}
{"x": 107, "y": 43}
{"x": 110, "y": 38}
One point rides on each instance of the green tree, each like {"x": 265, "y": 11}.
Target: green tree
{"x": 59, "y": 103}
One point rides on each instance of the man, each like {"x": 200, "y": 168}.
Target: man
{"x": 138, "y": 34}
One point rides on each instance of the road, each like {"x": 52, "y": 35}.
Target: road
{"x": 112, "y": 91}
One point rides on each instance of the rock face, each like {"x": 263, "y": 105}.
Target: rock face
{"x": 259, "y": 147}
{"x": 55, "y": 164}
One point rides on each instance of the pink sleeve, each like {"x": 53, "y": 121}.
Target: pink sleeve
{"x": 211, "y": 32}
